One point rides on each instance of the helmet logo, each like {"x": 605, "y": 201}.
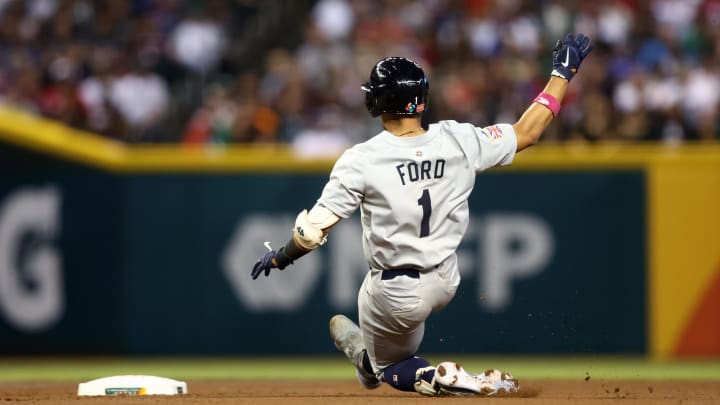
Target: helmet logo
{"x": 412, "y": 108}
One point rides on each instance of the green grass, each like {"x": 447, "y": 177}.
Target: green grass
{"x": 336, "y": 368}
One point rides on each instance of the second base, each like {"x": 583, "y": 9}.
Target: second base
{"x": 132, "y": 385}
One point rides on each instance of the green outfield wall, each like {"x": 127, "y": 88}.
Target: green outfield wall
{"x": 112, "y": 248}
{"x": 96, "y": 261}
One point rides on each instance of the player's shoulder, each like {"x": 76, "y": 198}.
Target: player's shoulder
{"x": 368, "y": 146}
{"x": 465, "y": 130}
{"x": 458, "y": 130}
{"x": 356, "y": 153}
{"x": 453, "y": 127}
{"x": 359, "y": 148}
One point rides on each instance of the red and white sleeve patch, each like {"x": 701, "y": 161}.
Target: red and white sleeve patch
{"x": 493, "y": 132}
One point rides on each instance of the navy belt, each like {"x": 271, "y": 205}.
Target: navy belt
{"x": 391, "y": 274}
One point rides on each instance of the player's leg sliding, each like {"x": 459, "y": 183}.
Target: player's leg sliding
{"x": 347, "y": 338}
{"x": 452, "y": 379}
{"x": 415, "y": 373}
{"x": 448, "y": 378}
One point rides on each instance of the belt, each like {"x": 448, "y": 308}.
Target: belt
{"x": 391, "y": 274}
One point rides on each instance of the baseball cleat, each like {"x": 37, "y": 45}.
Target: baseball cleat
{"x": 452, "y": 379}
{"x": 347, "y": 338}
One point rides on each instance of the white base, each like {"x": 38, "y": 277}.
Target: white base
{"x": 132, "y": 385}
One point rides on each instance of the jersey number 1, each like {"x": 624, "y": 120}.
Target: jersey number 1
{"x": 424, "y": 202}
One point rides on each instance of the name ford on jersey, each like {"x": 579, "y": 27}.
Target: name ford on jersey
{"x": 423, "y": 170}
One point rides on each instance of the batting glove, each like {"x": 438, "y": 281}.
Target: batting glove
{"x": 266, "y": 262}
{"x": 568, "y": 54}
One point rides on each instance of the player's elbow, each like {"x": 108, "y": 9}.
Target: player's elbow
{"x": 526, "y": 137}
{"x": 533, "y": 137}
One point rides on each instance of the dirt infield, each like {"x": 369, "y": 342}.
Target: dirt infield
{"x": 349, "y": 393}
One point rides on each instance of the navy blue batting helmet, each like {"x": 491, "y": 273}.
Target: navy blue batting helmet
{"x": 397, "y": 85}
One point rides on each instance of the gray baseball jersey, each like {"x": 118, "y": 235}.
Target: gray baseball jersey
{"x": 413, "y": 191}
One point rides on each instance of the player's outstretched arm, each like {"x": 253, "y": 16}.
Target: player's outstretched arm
{"x": 310, "y": 232}
{"x": 567, "y": 56}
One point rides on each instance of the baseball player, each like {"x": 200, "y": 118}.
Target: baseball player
{"x": 412, "y": 185}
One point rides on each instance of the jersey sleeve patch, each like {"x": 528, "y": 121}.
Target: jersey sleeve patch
{"x": 493, "y": 132}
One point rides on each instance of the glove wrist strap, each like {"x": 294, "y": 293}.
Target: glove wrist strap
{"x": 557, "y": 73}
{"x": 548, "y": 101}
{"x": 287, "y": 254}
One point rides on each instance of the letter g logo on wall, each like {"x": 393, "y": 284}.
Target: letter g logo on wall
{"x": 31, "y": 282}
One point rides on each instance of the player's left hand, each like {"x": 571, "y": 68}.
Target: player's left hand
{"x": 264, "y": 264}
{"x": 568, "y": 54}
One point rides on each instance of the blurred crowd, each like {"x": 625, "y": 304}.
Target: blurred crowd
{"x": 170, "y": 70}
